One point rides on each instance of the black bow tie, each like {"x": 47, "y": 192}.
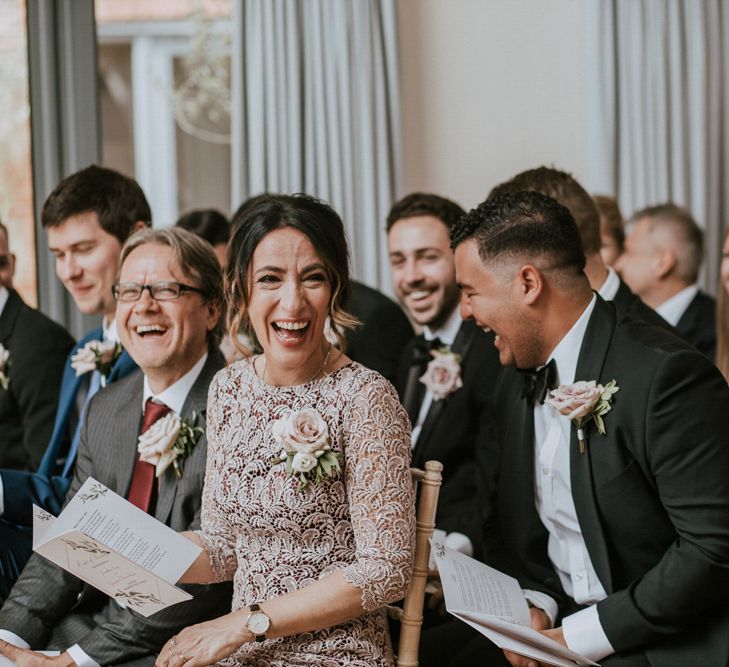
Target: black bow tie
{"x": 537, "y": 383}
{"x": 422, "y": 350}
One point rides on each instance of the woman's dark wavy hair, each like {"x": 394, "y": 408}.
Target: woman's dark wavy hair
{"x": 266, "y": 213}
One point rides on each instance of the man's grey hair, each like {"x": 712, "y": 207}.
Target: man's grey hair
{"x": 197, "y": 261}
{"x": 672, "y": 224}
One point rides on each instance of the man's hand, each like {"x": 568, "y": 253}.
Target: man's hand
{"x": 540, "y": 622}
{"x": 25, "y": 658}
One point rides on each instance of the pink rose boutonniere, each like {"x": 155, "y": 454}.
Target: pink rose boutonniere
{"x": 96, "y": 355}
{"x": 443, "y": 375}
{"x": 170, "y": 440}
{"x": 4, "y": 365}
{"x": 304, "y": 436}
{"x": 582, "y": 401}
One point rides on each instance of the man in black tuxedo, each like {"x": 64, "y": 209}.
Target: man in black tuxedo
{"x": 452, "y": 427}
{"x": 383, "y": 333}
{"x": 622, "y": 541}
{"x": 564, "y": 189}
{"x": 33, "y": 351}
{"x": 661, "y": 261}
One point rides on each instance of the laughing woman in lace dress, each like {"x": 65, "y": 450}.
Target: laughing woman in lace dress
{"x": 308, "y": 505}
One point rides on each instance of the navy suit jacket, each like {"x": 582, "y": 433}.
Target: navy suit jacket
{"x": 47, "y": 487}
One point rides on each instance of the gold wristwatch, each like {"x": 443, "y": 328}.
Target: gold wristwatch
{"x": 257, "y": 622}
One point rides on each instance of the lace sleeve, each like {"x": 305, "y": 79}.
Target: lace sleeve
{"x": 215, "y": 532}
{"x": 380, "y": 492}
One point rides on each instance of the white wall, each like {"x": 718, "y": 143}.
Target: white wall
{"x": 490, "y": 88}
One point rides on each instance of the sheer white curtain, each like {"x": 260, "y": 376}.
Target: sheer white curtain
{"x": 659, "y": 104}
{"x": 316, "y": 110}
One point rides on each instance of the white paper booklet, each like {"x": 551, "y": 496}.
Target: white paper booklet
{"x": 493, "y": 603}
{"x": 109, "y": 543}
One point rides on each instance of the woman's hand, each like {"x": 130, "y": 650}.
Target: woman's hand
{"x": 25, "y": 658}
{"x": 206, "y": 643}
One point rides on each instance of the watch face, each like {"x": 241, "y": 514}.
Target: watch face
{"x": 258, "y": 623}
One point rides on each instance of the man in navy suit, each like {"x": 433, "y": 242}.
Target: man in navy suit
{"x": 615, "y": 529}
{"x": 661, "y": 261}
{"x": 87, "y": 217}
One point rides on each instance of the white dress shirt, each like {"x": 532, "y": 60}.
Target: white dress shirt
{"x": 673, "y": 309}
{"x": 554, "y": 503}
{"x": 610, "y": 287}
{"x": 173, "y": 397}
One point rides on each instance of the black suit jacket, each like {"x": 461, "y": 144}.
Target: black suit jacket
{"x": 698, "y": 324}
{"x": 652, "y": 495}
{"x": 44, "y": 593}
{"x": 631, "y": 304}
{"x": 38, "y": 348}
{"x": 385, "y": 330}
{"x": 455, "y": 427}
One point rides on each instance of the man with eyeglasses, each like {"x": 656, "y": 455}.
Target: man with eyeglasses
{"x": 169, "y": 308}
{"x": 87, "y": 217}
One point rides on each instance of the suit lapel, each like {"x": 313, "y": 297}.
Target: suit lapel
{"x": 9, "y": 315}
{"x": 130, "y": 420}
{"x": 461, "y": 346}
{"x": 589, "y": 367}
{"x": 196, "y": 402}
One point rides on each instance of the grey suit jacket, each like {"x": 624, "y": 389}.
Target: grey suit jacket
{"x": 45, "y": 594}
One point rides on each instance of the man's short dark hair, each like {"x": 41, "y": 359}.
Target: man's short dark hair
{"x": 523, "y": 224}
{"x": 117, "y": 200}
{"x": 208, "y": 224}
{"x": 422, "y": 203}
{"x": 563, "y": 188}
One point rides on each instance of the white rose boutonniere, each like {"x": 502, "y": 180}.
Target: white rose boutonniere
{"x": 304, "y": 437}
{"x": 96, "y": 355}
{"x": 443, "y": 375}
{"x": 4, "y": 366}
{"x": 170, "y": 440}
{"x": 582, "y": 401}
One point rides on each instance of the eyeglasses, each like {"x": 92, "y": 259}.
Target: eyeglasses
{"x": 166, "y": 291}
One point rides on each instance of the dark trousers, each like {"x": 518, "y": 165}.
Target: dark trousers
{"x": 16, "y": 546}
{"x": 456, "y": 644}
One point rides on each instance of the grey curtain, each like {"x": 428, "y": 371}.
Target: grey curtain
{"x": 64, "y": 125}
{"x": 659, "y": 109}
{"x": 316, "y": 110}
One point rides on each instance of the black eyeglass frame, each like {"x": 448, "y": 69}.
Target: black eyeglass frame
{"x": 181, "y": 289}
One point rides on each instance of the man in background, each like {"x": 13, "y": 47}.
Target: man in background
{"x": 450, "y": 419}
{"x": 661, "y": 261}
{"x": 87, "y": 218}
{"x": 564, "y": 189}
{"x": 7, "y": 259}
{"x": 33, "y": 351}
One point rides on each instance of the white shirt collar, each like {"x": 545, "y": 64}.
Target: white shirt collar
{"x": 448, "y": 332}
{"x": 175, "y": 395}
{"x": 111, "y": 333}
{"x": 672, "y": 309}
{"x": 567, "y": 352}
{"x": 610, "y": 287}
{"x": 4, "y": 294}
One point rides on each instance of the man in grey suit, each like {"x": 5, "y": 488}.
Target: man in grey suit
{"x": 169, "y": 305}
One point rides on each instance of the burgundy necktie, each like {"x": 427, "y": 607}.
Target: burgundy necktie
{"x": 142, "y": 487}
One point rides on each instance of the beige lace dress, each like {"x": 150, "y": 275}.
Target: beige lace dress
{"x": 271, "y": 538}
